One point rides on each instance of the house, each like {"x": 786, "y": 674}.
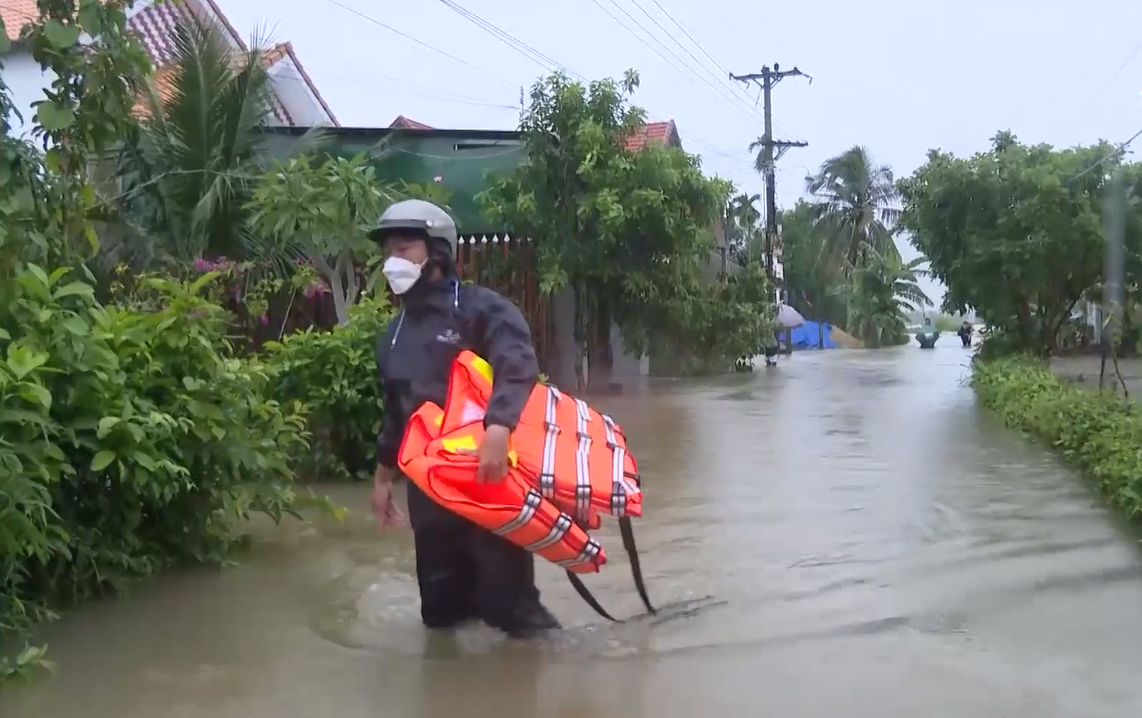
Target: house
{"x": 297, "y": 101}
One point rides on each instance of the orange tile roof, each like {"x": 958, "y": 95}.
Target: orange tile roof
{"x": 16, "y": 14}
{"x": 404, "y": 123}
{"x": 652, "y": 132}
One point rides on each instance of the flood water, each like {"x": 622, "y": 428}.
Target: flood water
{"x": 871, "y": 543}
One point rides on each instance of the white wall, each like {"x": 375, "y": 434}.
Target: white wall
{"x": 295, "y": 95}
{"x": 26, "y": 83}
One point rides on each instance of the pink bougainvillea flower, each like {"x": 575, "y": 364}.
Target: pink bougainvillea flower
{"x": 438, "y": 178}
{"x": 264, "y": 319}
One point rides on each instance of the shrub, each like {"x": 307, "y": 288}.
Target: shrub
{"x": 1098, "y": 433}
{"x": 132, "y": 441}
{"x": 334, "y": 373}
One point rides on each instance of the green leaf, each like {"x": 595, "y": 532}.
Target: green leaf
{"x": 23, "y": 361}
{"x": 74, "y": 289}
{"x": 77, "y": 326}
{"x": 54, "y": 118}
{"x": 91, "y": 236}
{"x": 145, "y": 461}
{"x": 102, "y": 460}
{"x": 41, "y": 275}
{"x": 4, "y": 334}
{"x": 36, "y": 394}
{"x": 106, "y": 424}
{"x": 90, "y": 17}
{"x": 61, "y": 36}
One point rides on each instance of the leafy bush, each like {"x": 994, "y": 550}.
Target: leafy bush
{"x": 334, "y": 373}
{"x": 1098, "y": 433}
{"x": 132, "y": 441}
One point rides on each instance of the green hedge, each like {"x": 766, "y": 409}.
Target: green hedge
{"x": 131, "y": 440}
{"x": 1098, "y": 433}
{"x": 334, "y": 374}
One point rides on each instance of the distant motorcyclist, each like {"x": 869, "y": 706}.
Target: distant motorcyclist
{"x": 463, "y": 571}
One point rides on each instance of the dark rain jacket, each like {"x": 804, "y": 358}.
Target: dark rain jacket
{"x": 415, "y": 354}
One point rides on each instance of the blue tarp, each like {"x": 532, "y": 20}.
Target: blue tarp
{"x": 811, "y": 335}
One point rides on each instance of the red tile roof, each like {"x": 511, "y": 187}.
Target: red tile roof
{"x": 666, "y": 132}
{"x": 16, "y": 14}
{"x": 403, "y": 123}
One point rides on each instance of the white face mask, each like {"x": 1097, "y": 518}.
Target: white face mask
{"x": 401, "y": 274}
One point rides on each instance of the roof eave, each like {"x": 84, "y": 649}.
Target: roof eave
{"x": 312, "y": 87}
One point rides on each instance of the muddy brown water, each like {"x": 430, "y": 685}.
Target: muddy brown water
{"x": 873, "y": 544}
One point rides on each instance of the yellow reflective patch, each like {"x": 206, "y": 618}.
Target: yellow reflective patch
{"x": 458, "y": 443}
{"x": 439, "y": 420}
{"x": 513, "y": 458}
{"x": 483, "y": 367}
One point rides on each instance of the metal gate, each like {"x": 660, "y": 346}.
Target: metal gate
{"x": 506, "y": 264}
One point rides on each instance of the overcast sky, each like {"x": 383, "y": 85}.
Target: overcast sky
{"x": 898, "y": 76}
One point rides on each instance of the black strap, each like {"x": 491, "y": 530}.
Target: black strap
{"x": 636, "y": 572}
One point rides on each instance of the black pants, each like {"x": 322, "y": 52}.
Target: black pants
{"x": 466, "y": 573}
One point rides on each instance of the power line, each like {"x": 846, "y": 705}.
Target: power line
{"x": 685, "y": 32}
{"x": 693, "y": 73}
{"x": 516, "y": 43}
{"x": 1123, "y": 66}
{"x": 545, "y": 60}
{"x": 539, "y": 58}
{"x": 721, "y": 79}
{"x": 1118, "y": 148}
{"x": 422, "y": 43}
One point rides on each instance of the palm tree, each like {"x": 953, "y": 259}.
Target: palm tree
{"x": 881, "y": 293}
{"x": 741, "y": 220}
{"x": 854, "y": 208}
{"x": 185, "y": 177}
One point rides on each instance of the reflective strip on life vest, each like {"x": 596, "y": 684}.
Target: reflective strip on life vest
{"x": 582, "y": 462}
{"x": 551, "y": 435}
{"x": 531, "y": 504}
{"x": 587, "y": 557}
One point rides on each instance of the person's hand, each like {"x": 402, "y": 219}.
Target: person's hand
{"x": 493, "y": 454}
{"x": 384, "y": 508}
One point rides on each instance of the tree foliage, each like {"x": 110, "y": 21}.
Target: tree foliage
{"x": 629, "y": 232}
{"x": 185, "y": 171}
{"x": 1014, "y": 232}
{"x": 854, "y": 207}
{"x": 325, "y": 211}
{"x": 811, "y": 278}
{"x": 880, "y": 293}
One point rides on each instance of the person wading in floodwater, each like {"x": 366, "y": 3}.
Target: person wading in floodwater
{"x": 464, "y": 572}
{"x": 965, "y": 333}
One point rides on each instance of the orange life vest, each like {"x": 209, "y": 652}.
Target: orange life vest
{"x": 444, "y": 467}
{"x": 576, "y": 456}
{"x": 568, "y": 464}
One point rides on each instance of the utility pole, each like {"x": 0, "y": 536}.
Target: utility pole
{"x": 772, "y": 150}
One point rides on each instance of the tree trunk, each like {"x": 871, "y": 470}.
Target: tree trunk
{"x": 343, "y": 284}
{"x": 600, "y": 352}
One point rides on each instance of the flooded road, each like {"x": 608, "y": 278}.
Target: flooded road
{"x": 872, "y": 543}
